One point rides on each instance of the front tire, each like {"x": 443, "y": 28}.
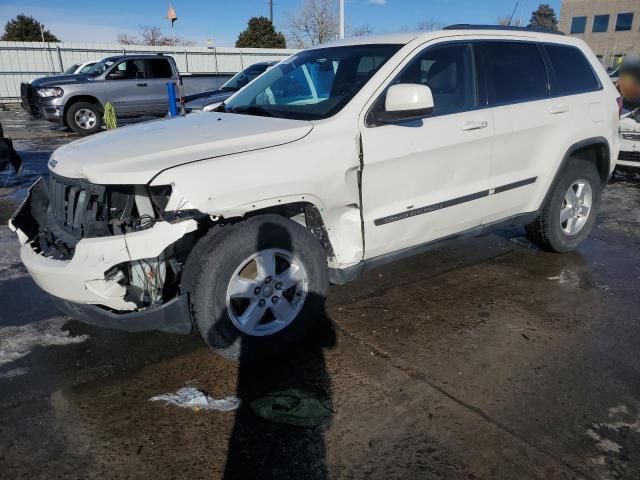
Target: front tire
{"x": 570, "y": 210}
{"x": 256, "y": 287}
{"x": 84, "y": 118}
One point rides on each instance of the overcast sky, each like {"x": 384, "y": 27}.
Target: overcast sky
{"x": 222, "y": 20}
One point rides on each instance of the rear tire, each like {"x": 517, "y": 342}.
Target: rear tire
{"x": 570, "y": 209}
{"x": 242, "y": 309}
{"x": 84, "y": 118}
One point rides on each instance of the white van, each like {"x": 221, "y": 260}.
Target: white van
{"x": 336, "y": 160}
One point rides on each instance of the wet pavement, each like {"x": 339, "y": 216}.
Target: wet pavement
{"x": 484, "y": 359}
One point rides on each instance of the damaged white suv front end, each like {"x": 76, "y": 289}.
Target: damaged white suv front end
{"x": 101, "y": 250}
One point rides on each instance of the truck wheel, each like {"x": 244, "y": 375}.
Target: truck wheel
{"x": 84, "y": 118}
{"x": 570, "y": 210}
{"x": 256, "y": 287}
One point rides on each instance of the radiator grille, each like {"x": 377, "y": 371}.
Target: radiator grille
{"x": 75, "y": 205}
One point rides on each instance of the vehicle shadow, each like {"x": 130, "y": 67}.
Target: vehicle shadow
{"x": 278, "y": 447}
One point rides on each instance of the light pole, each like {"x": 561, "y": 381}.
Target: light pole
{"x": 341, "y": 19}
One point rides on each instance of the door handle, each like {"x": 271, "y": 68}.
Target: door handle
{"x": 474, "y": 126}
{"x": 558, "y": 109}
{"x": 141, "y": 84}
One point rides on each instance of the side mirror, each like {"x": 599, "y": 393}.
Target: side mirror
{"x": 406, "y": 101}
{"x": 117, "y": 75}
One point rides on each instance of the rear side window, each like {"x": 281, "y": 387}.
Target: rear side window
{"x": 515, "y": 72}
{"x": 159, "y": 68}
{"x": 572, "y": 72}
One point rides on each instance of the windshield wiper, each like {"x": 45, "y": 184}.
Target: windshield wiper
{"x": 252, "y": 110}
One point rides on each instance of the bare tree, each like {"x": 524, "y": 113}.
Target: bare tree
{"x": 316, "y": 23}
{"x": 362, "y": 30}
{"x": 153, "y": 36}
{"x": 128, "y": 39}
{"x": 430, "y": 24}
{"x": 507, "y": 21}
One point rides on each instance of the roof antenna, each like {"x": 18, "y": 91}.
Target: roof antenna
{"x": 512, "y": 14}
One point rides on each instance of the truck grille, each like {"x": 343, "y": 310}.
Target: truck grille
{"x": 28, "y": 98}
{"x": 629, "y": 156}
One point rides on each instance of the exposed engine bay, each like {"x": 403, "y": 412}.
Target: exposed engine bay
{"x": 61, "y": 211}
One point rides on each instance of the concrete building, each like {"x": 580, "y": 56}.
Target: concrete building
{"x": 610, "y": 27}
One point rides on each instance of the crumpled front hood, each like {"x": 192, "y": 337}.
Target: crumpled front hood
{"x": 135, "y": 154}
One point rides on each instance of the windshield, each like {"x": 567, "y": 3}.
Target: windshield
{"x": 242, "y": 78}
{"x": 71, "y": 69}
{"x": 100, "y": 67}
{"x": 86, "y": 68}
{"x": 313, "y": 84}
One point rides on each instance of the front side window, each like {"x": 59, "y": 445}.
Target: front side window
{"x": 624, "y": 22}
{"x": 127, "y": 70}
{"x": 578, "y": 24}
{"x": 159, "y": 68}
{"x": 600, "y": 23}
{"x": 313, "y": 84}
{"x": 515, "y": 72}
{"x": 572, "y": 72}
{"x": 448, "y": 71}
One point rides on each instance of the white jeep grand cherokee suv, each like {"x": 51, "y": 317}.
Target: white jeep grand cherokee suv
{"x": 338, "y": 159}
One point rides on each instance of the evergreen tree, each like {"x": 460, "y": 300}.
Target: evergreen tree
{"x": 260, "y": 33}
{"x": 26, "y": 29}
{"x": 544, "y": 17}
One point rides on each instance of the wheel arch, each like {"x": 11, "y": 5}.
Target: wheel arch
{"x": 595, "y": 150}
{"x": 301, "y": 209}
{"x": 80, "y": 98}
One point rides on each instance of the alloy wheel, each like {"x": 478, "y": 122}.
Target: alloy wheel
{"x": 266, "y": 292}
{"x": 576, "y": 207}
{"x": 85, "y": 118}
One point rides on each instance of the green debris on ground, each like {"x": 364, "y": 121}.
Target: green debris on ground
{"x": 292, "y": 407}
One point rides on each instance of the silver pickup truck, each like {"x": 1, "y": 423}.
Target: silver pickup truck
{"x": 134, "y": 84}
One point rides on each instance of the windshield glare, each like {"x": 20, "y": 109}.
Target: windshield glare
{"x": 100, "y": 67}
{"x": 313, "y": 84}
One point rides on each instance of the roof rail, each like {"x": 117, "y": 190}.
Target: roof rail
{"x": 468, "y": 26}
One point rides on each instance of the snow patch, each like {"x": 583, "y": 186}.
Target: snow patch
{"x": 195, "y": 399}
{"x": 16, "y": 372}
{"x": 604, "y": 444}
{"x": 16, "y": 342}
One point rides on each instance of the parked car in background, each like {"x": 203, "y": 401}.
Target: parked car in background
{"x": 629, "y": 158}
{"x": 614, "y": 73}
{"x": 134, "y": 84}
{"x": 341, "y": 158}
{"x": 212, "y": 99}
{"x": 80, "y": 68}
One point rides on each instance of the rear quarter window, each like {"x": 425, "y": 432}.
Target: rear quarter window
{"x": 571, "y": 71}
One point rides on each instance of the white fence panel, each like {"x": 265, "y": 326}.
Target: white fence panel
{"x": 23, "y": 61}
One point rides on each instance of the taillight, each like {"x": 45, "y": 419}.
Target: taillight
{"x": 619, "y": 100}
